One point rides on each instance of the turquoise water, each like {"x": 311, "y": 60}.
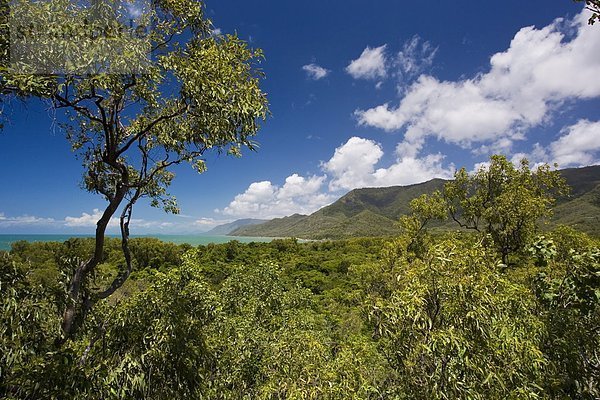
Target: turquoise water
{"x": 194, "y": 240}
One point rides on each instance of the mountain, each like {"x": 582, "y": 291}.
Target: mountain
{"x": 361, "y": 212}
{"x": 374, "y": 211}
{"x": 226, "y": 229}
{"x": 581, "y": 209}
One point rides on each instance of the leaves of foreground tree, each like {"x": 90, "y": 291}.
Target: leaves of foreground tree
{"x": 200, "y": 92}
{"x": 455, "y": 327}
{"x": 504, "y": 201}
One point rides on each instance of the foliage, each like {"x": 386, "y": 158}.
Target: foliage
{"x": 358, "y": 319}
{"x": 424, "y": 209}
{"x": 453, "y": 327}
{"x": 571, "y": 305}
{"x": 503, "y": 201}
{"x": 129, "y": 120}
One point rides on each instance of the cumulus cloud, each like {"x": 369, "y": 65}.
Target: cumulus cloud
{"x": 24, "y": 220}
{"x": 266, "y": 200}
{"x": 370, "y": 65}
{"x": 411, "y": 170}
{"x": 87, "y": 220}
{"x": 541, "y": 69}
{"x": 315, "y": 71}
{"x": 353, "y": 165}
{"x": 579, "y": 145}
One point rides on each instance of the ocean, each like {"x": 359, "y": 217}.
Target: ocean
{"x": 194, "y": 240}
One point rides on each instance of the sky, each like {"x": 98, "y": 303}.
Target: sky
{"x": 362, "y": 94}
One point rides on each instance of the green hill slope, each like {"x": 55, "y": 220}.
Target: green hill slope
{"x": 361, "y": 212}
{"x": 582, "y": 212}
{"x": 374, "y": 211}
{"x": 225, "y": 229}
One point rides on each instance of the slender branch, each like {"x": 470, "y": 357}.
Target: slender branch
{"x": 462, "y": 224}
{"x": 194, "y": 154}
{"x": 147, "y": 129}
{"x": 64, "y": 103}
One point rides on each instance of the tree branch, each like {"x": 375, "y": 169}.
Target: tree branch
{"x": 64, "y": 103}
{"x": 147, "y": 129}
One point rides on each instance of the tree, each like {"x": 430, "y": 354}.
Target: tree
{"x": 454, "y": 327}
{"x": 504, "y": 201}
{"x": 130, "y": 118}
{"x": 569, "y": 296}
{"x": 424, "y": 209}
{"x": 594, "y": 7}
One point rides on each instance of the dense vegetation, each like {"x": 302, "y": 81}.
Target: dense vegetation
{"x": 497, "y": 312}
{"x": 421, "y": 316}
{"x": 135, "y": 95}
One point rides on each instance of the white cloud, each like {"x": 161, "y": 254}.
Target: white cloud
{"x": 24, "y": 220}
{"x": 370, "y": 65}
{"x": 209, "y": 222}
{"x": 353, "y": 166}
{"x": 315, "y": 71}
{"x": 579, "y": 145}
{"x": 541, "y": 69}
{"x": 266, "y": 200}
{"x": 411, "y": 170}
{"x": 415, "y": 57}
{"x": 216, "y": 32}
{"x": 89, "y": 220}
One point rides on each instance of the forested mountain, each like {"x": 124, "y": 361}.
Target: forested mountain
{"x": 226, "y": 229}
{"x": 582, "y": 209}
{"x": 375, "y": 211}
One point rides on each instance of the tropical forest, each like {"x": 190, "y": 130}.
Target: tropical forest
{"x": 465, "y": 269}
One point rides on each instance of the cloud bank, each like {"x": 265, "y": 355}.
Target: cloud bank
{"x": 524, "y": 87}
{"x": 540, "y": 71}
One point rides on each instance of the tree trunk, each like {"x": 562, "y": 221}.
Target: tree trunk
{"x": 76, "y": 305}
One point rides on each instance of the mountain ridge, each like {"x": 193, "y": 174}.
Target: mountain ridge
{"x": 226, "y": 229}
{"x": 375, "y": 211}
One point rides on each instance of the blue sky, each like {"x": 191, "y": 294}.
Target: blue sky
{"x": 362, "y": 94}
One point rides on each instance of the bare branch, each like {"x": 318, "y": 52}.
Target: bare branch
{"x": 66, "y": 103}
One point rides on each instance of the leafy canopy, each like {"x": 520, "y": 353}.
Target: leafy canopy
{"x": 504, "y": 201}
{"x": 143, "y": 88}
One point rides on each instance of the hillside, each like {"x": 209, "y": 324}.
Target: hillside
{"x": 226, "y": 229}
{"x": 361, "y": 212}
{"x": 374, "y": 211}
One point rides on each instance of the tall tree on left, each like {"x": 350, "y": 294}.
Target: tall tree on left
{"x": 143, "y": 86}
